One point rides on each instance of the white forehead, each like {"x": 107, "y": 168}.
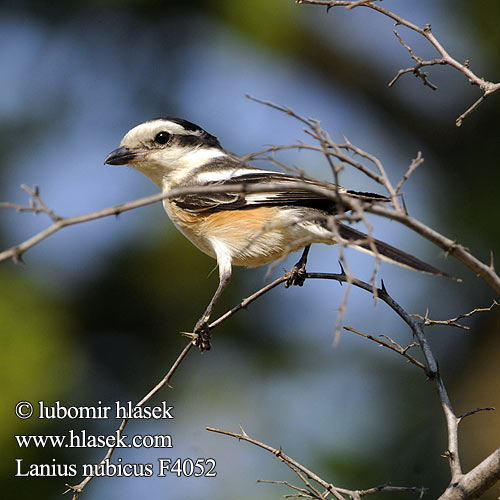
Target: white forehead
{"x": 148, "y": 130}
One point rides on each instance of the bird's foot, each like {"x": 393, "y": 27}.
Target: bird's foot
{"x": 297, "y": 275}
{"x": 202, "y": 336}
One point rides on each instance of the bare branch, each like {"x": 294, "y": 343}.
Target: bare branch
{"x": 449, "y": 246}
{"x": 432, "y": 369}
{"x": 488, "y": 88}
{"x": 454, "y": 321}
{"x": 77, "y": 489}
{"x": 297, "y": 467}
{"x": 477, "y": 481}
{"x": 392, "y": 345}
{"x": 36, "y": 204}
{"x": 415, "y": 69}
{"x": 278, "y": 452}
{"x": 303, "y": 492}
{"x": 473, "y": 412}
{"x": 415, "y": 163}
{"x": 246, "y": 302}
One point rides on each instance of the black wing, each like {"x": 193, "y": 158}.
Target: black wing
{"x": 299, "y": 196}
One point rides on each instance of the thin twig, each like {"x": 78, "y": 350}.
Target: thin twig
{"x": 329, "y": 487}
{"x": 488, "y": 88}
{"x": 278, "y": 452}
{"x": 77, "y": 489}
{"x": 432, "y": 369}
{"x": 36, "y": 204}
{"x": 453, "y": 321}
{"x": 473, "y": 412}
{"x": 415, "y": 69}
{"x": 392, "y": 345}
{"x": 415, "y": 163}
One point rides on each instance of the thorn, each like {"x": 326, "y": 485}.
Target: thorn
{"x": 342, "y": 272}
{"x": 382, "y": 288}
{"x": 243, "y": 431}
{"x": 36, "y": 190}
{"x": 404, "y": 205}
{"x": 328, "y": 7}
{"x": 17, "y": 257}
{"x": 492, "y": 261}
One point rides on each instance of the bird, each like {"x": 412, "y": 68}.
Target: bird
{"x": 270, "y": 215}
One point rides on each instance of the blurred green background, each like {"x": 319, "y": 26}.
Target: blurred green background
{"x": 95, "y": 312}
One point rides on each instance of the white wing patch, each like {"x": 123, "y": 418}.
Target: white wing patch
{"x": 226, "y": 174}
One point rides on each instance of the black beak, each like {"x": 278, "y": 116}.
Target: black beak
{"x": 122, "y": 156}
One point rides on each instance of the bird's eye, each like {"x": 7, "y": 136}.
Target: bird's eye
{"x": 162, "y": 137}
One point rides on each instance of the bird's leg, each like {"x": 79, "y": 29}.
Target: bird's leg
{"x": 298, "y": 273}
{"x": 201, "y": 337}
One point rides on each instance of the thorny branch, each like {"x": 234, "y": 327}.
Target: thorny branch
{"x": 458, "y": 479}
{"x": 301, "y": 471}
{"x": 392, "y": 345}
{"x": 77, "y": 489}
{"x": 454, "y": 321}
{"x": 36, "y": 204}
{"x": 475, "y": 482}
{"x": 430, "y": 362}
{"x": 488, "y": 88}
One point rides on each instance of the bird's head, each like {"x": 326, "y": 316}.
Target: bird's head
{"x": 165, "y": 147}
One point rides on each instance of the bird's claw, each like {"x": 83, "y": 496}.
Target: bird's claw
{"x": 202, "y": 336}
{"x": 297, "y": 275}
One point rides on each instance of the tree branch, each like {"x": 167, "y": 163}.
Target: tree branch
{"x": 477, "y": 481}
{"x": 452, "y": 420}
{"x": 392, "y": 345}
{"x": 488, "y": 88}
{"x": 454, "y": 321}
{"x": 77, "y": 489}
{"x": 297, "y": 467}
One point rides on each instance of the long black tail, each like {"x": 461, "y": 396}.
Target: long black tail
{"x": 388, "y": 252}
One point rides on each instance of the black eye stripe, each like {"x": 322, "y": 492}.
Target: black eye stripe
{"x": 162, "y": 137}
